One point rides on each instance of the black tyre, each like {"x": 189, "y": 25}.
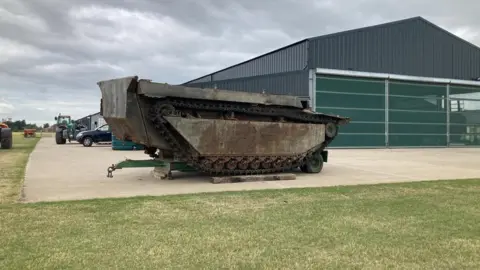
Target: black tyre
{"x": 6, "y": 138}
{"x": 59, "y": 139}
{"x": 87, "y": 141}
{"x": 313, "y": 165}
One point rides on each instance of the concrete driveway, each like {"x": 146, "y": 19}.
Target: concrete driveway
{"x": 72, "y": 172}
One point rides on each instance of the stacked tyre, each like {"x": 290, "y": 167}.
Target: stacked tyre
{"x": 6, "y": 138}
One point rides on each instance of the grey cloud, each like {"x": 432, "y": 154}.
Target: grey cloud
{"x": 70, "y": 45}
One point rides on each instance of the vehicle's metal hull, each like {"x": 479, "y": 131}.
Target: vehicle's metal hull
{"x": 216, "y": 131}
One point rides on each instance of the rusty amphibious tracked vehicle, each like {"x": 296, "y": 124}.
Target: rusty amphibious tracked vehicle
{"x": 221, "y": 132}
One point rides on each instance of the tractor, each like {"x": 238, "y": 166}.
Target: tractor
{"x": 6, "y": 137}
{"x": 65, "y": 129}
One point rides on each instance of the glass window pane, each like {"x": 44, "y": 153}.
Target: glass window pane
{"x": 418, "y": 117}
{"x": 465, "y": 139}
{"x": 355, "y": 114}
{"x": 353, "y": 127}
{"x": 419, "y": 104}
{"x": 465, "y": 112}
{"x": 348, "y": 84}
{"x": 355, "y": 140}
{"x": 458, "y": 91}
{"x": 417, "y": 89}
{"x": 418, "y": 128}
{"x": 465, "y": 122}
{"x": 349, "y": 101}
{"x": 417, "y": 140}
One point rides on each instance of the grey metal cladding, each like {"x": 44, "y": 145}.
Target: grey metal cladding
{"x": 207, "y": 78}
{"x": 293, "y": 83}
{"x": 409, "y": 47}
{"x": 290, "y": 58}
{"x": 462, "y": 68}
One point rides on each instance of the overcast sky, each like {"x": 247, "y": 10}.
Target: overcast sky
{"x": 52, "y": 52}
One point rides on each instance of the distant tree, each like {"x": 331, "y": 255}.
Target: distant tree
{"x": 46, "y": 125}
{"x": 20, "y": 125}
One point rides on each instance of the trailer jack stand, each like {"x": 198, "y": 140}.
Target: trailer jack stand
{"x": 110, "y": 170}
{"x": 167, "y": 165}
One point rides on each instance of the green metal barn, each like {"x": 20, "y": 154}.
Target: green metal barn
{"x": 406, "y": 83}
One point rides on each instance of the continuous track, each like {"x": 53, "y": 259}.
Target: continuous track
{"x": 234, "y": 165}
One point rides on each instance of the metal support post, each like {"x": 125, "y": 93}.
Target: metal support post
{"x": 387, "y": 122}
{"x": 312, "y": 78}
{"x": 448, "y": 101}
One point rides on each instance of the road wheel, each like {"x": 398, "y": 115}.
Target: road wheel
{"x": 303, "y": 168}
{"x": 87, "y": 141}
{"x": 331, "y": 130}
{"x": 314, "y": 164}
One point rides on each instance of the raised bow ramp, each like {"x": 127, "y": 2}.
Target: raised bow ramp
{"x": 218, "y": 131}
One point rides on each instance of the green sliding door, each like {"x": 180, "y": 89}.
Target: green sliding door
{"x": 361, "y": 99}
{"x": 414, "y": 114}
{"x": 465, "y": 115}
{"x": 417, "y": 114}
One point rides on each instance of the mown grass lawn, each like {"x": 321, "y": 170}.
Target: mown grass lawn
{"x": 424, "y": 225}
{"x": 12, "y": 167}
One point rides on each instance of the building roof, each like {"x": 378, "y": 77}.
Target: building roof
{"x": 90, "y": 115}
{"x": 251, "y": 59}
{"x": 412, "y": 19}
{"x": 388, "y": 24}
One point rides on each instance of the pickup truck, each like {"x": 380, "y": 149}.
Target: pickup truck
{"x": 100, "y": 135}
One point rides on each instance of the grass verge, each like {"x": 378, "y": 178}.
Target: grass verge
{"x": 423, "y": 225}
{"x": 12, "y": 167}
